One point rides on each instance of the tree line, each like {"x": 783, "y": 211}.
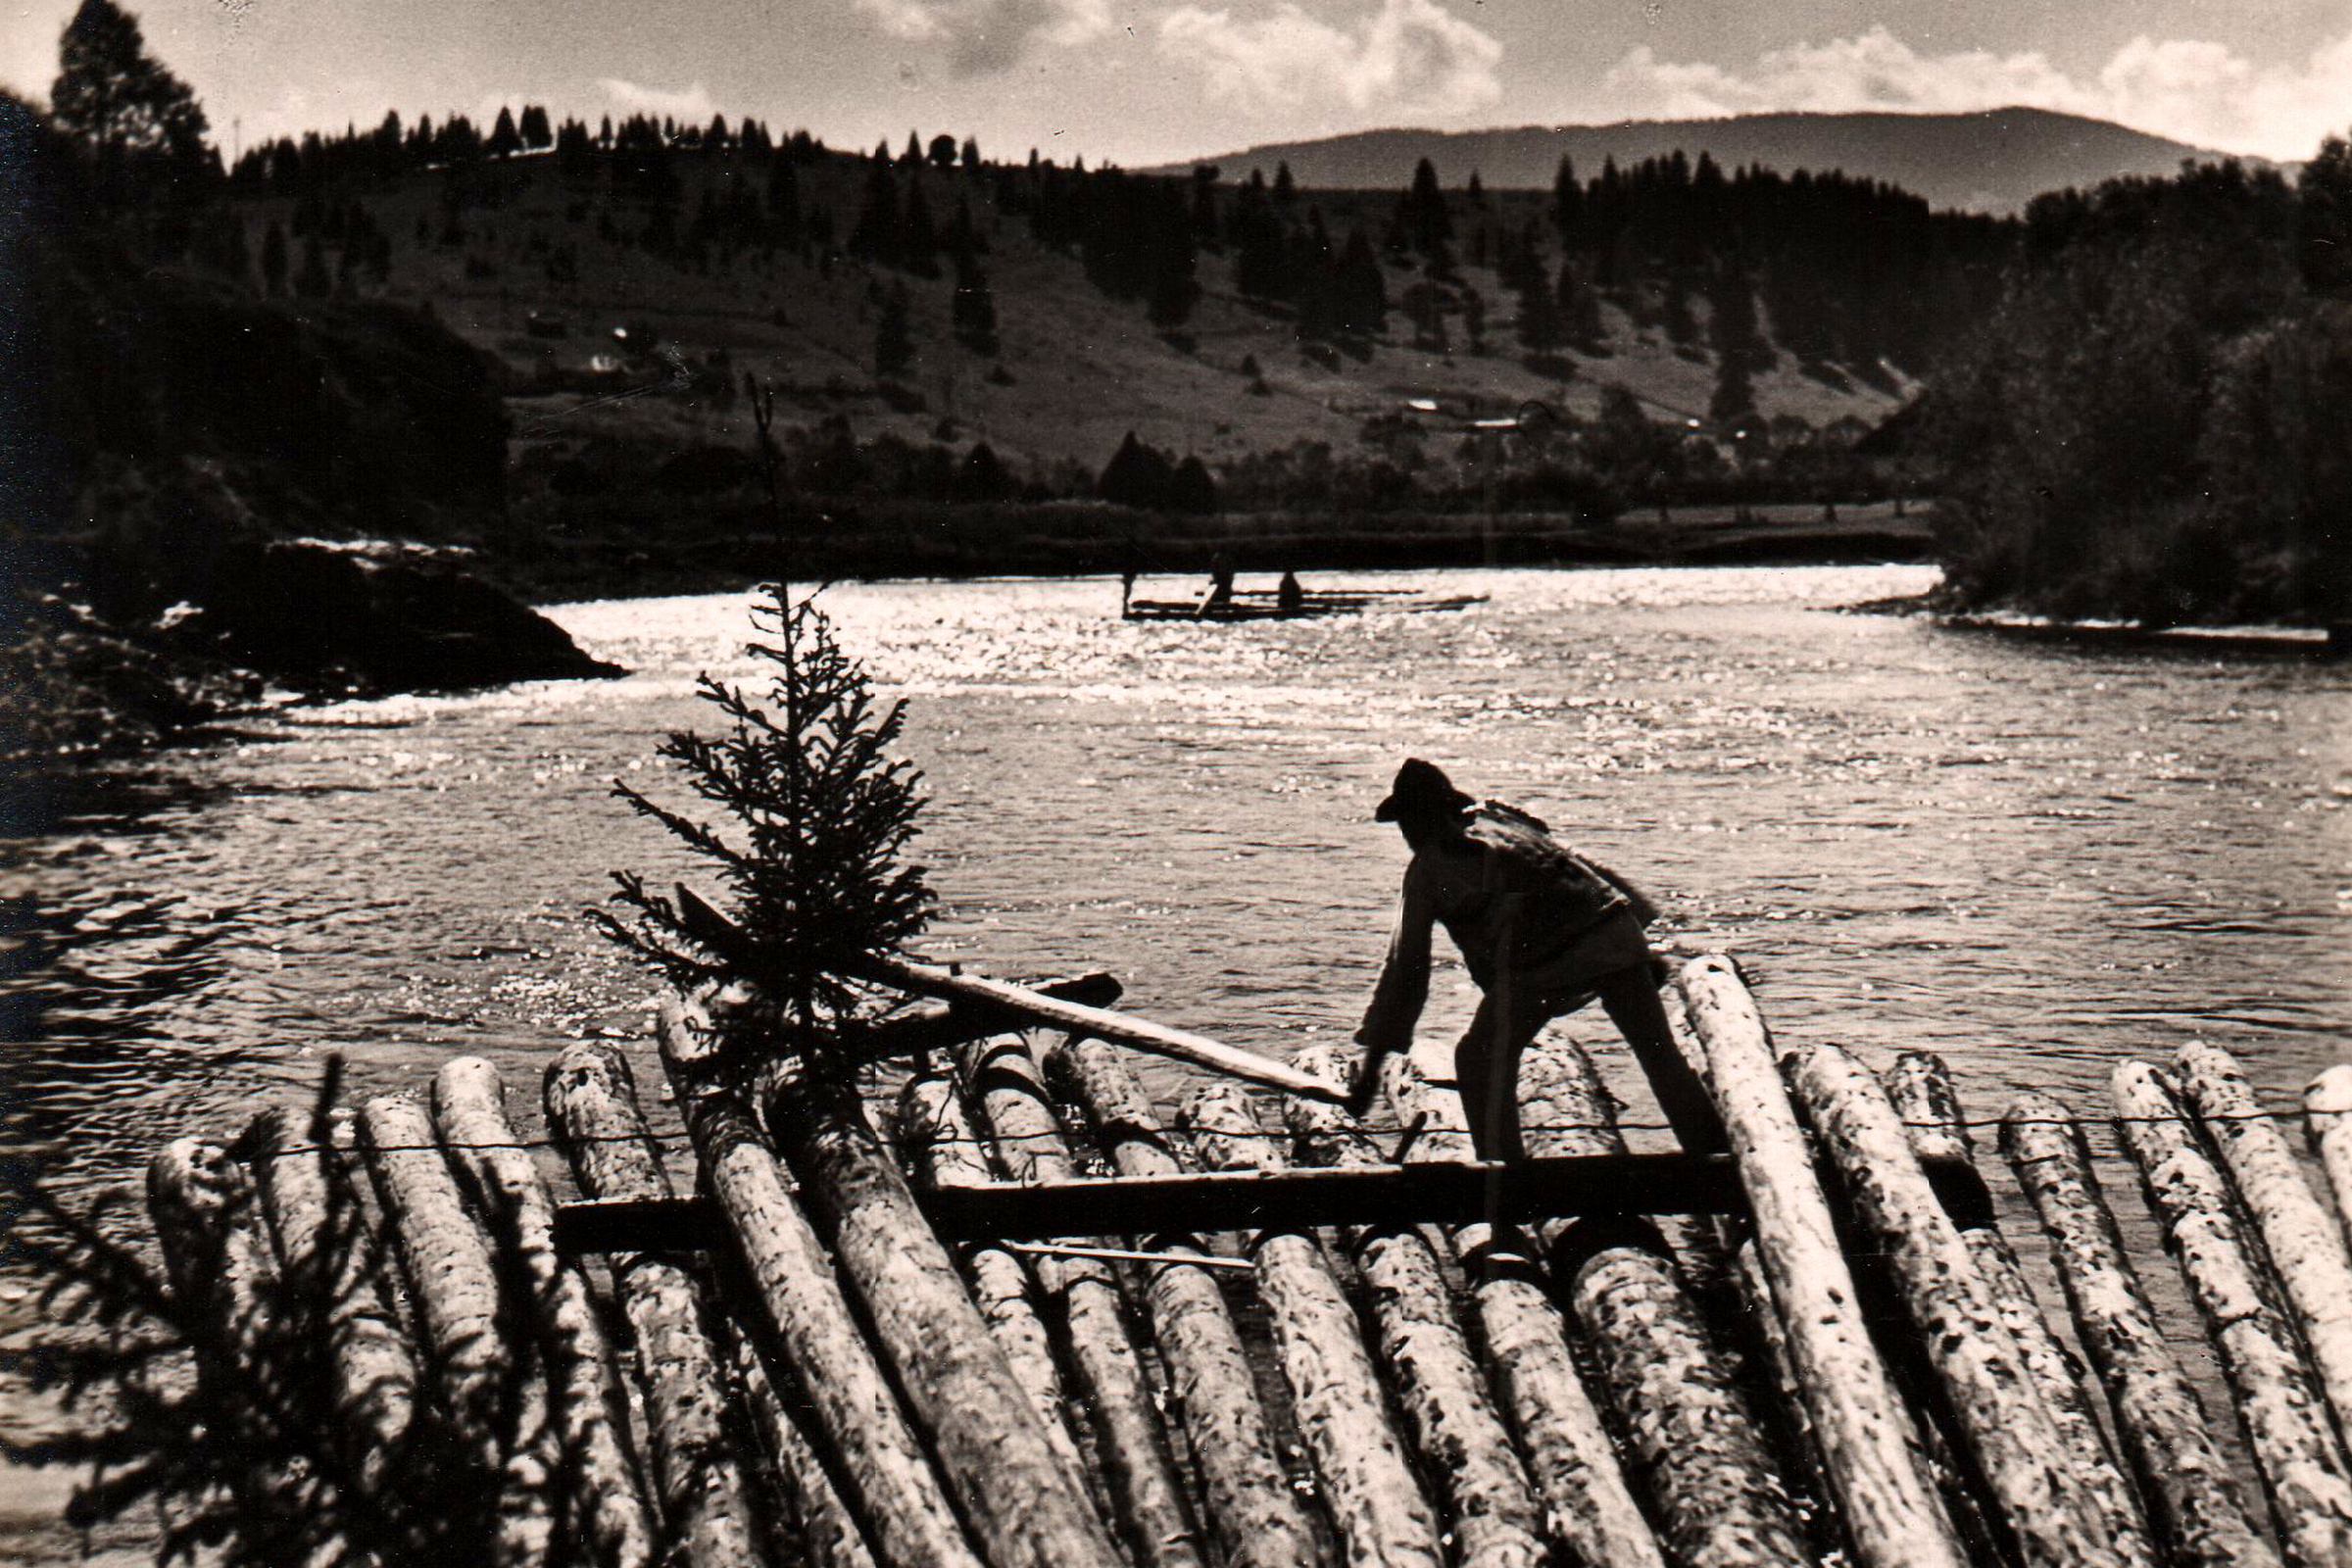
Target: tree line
{"x": 2151, "y": 424}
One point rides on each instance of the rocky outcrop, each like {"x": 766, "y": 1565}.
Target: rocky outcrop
{"x": 368, "y": 616}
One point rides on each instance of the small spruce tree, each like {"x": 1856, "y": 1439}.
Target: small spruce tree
{"x": 822, "y": 814}
{"x": 894, "y": 344}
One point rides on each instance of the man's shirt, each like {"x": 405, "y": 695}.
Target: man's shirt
{"x": 1512, "y": 899}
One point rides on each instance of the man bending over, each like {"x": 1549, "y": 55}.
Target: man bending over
{"x": 1542, "y": 932}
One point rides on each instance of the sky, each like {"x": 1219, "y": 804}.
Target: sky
{"x": 1140, "y": 83}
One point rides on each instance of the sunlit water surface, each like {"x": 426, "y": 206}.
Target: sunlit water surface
{"x": 2033, "y": 860}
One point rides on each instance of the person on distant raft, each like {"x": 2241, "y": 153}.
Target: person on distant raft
{"x": 1288, "y": 594}
{"x": 1220, "y": 584}
{"x": 1542, "y": 931}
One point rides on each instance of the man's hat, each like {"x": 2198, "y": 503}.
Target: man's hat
{"x": 1422, "y": 789}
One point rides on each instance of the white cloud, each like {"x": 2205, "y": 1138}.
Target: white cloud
{"x": 986, "y": 36}
{"x": 690, "y": 106}
{"x": 2195, "y": 91}
{"x": 1407, "y": 56}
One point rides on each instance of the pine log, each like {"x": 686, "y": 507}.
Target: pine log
{"x": 1025, "y": 1504}
{"x": 1100, "y": 1023}
{"x": 199, "y": 1201}
{"x": 1923, "y": 1094}
{"x": 494, "y": 1389}
{"x": 1027, "y": 1146}
{"x": 1368, "y": 1482}
{"x": 1253, "y": 1511}
{"x": 2192, "y": 1498}
{"x": 2297, "y": 1454}
{"x": 1889, "y": 1508}
{"x": 944, "y": 1151}
{"x": 887, "y": 1480}
{"x": 2299, "y": 1235}
{"x": 1696, "y": 1443}
{"x": 1441, "y": 1389}
{"x": 2027, "y": 1467}
{"x": 322, "y": 1245}
{"x": 2327, "y": 1124}
{"x": 823, "y": 1533}
{"x": 585, "y": 1396}
{"x": 591, "y": 1103}
{"x": 1588, "y": 1508}
{"x": 932, "y": 1025}
{"x": 1801, "y": 1458}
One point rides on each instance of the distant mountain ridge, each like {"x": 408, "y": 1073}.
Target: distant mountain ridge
{"x": 1994, "y": 160}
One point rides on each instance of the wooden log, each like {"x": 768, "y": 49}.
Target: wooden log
{"x": 2301, "y": 1238}
{"x": 1368, "y": 1483}
{"x": 1696, "y": 1443}
{"x": 1038, "y": 1010}
{"x": 1588, "y": 1507}
{"x": 2297, "y": 1454}
{"x": 2028, "y": 1469}
{"x": 887, "y": 1480}
{"x": 823, "y": 1531}
{"x": 1133, "y": 1445}
{"x": 999, "y": 998}
{"x": 493, "y": 1390}
{"x": 944, "y": 1151}
{"x": 1889, "y": 1508}
{"x": 1801, "y": 1453}
{"x": 585, "y": 1397}
{"x": 1614, "y": 1185}
{"x": 1922, "y": 1092}
{"x": 934, "y": 1025}
{"x": 200, "y": 1202}
{"x": 322, "y": 1246}
{"x": 1490, "y": 1503}
{"x": 1252, "y": 1511}
{"x": 1027, "y": 1507}
{"x": 591, "y": 1103}
{"x": 2192, "y": 1498}
{"x": 2327, "y": 1124}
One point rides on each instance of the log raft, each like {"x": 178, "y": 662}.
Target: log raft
{"x": 1001, "y": 1355}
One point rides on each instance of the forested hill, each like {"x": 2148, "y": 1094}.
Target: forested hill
{"x": 1049, "y": 309}
{"x": 1994, "y": 159}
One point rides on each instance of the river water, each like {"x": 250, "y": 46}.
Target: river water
{"x": 2034, "y": 860}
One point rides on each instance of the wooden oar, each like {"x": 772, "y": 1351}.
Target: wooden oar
{"x": 722, "y": 935}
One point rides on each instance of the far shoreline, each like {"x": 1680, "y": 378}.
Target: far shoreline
{"x": 939, "y": 545}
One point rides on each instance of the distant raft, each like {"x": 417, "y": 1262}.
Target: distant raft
{"x": 1264, "y": 605}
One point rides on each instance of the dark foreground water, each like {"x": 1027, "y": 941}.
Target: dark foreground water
{"x": 2034, "y": 860}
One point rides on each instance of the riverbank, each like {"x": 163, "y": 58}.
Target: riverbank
{"x": 691, "y": 551}
{"x": 2259, "y": 641}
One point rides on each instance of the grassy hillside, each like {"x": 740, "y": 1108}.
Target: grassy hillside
{"x": 618, "y": 357}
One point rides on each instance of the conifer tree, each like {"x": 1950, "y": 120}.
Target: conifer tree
{"x": 918, "y": 235}
{"x": 814, "y": 856}
{"x": 974, "y": 309}
{"x": 1425, "y": 215}
{"x": 1540, "y": 326}
{"x": 878, "y": 233}
{"x": 1734, "y": 402}
{"x": 274, "y": 259}
{"x": 894, "y": 344}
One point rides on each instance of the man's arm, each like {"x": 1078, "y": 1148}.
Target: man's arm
{"x": 1404, "y": 988}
